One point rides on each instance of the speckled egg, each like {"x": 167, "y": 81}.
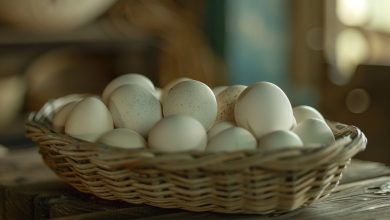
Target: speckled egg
{"x": 134, "y": 107}
{"x": 192, "y": 98}
{"x": 226, "y": 101}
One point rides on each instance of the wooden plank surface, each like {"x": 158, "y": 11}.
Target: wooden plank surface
{"x": 29, "y": 190}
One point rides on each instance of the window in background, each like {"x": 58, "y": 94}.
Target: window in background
{"x": 357, "y": 32}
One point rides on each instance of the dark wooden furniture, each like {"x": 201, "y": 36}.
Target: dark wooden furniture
{"x": 29, "y": 190}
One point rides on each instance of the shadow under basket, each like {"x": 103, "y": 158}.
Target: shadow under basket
{"x": 250, "y": 182}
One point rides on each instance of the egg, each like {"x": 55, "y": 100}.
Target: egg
{"x": 279, "y": 140}
{"x": 178, "y": 133}
{"x": 218, "y": 89}
{"x": 157, "y": 93}
{"x": 123, "y": 138}
{"x": 304, "y": 112}
{"x": 314, "y": 132}
{"x": 232, "y": 139}
{"x": 192, "y": 98}
{"x": 134, "y": 107}
{"x": 131, "y": 78}
{"x": 61, "y": 115}
{"x": 88, "y": 120}
{"x": 169, "y": 86}
{"x": 263, "y": 108}
{"x": 226, "y": 101}
{"x": 218, "y": 127}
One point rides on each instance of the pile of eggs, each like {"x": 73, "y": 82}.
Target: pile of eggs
{"x": 186, "y": 115}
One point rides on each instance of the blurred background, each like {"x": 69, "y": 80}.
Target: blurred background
{"x": 331, "y": 54}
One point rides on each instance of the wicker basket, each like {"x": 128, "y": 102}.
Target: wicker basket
{"x": 235, "y": 182}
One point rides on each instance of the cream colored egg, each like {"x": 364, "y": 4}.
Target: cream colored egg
{"x": 263, "y": 108}
{"x": 177, "y": 133}
{"x": 218, "y": 89}
{"x": 218, "y": 128}
{"x": 279, "y": 140}
{"x": 61, "y": 115}
{"x": 232, "y": 139}
{"x": 169, "y": 86}
{"x": 134, "y": 107}
{"x": 314, "y": 132}
{"x": 123, "y": 138}
{"x": 304, "y": 112}
{"x": 226, "y": 101}
{"x": 131, "y": 78}
{"x": 88, "y": 120}
{"x": 192, "y": 98}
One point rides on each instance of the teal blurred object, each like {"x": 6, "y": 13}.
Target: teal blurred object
{"x": 257, "y": 41}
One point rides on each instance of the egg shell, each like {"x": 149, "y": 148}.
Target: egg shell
{"x": 218, "y": 127}
{"x": 88, "y": 120}
{"x": 157, "y": 93}
{"x": 279, "y": 140}
{"x": 226, "y": 101}
{"x": 232, "y": 139}
{"x": 171, "y": 84}
{"x": 61, "y": 115}
{"x": 304, "y": 112}
{"x": 178, "y": 133}
{"x": 192, "y": 98}
{"x": 263, "y": 108}
{"x": 134, "y": 107}
{"x": 123, "y": 138}
{"x": 131, "y": 78}
{"x": 314, "y": 132}
{"x": 218, "y": 89}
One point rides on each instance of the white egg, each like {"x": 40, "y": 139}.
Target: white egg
{"x": 61, "y": 115}
{"x": 304, "y": 112}
{"x": 232, "y": 139}
{"x": 134, "y": 107}
{"x": 177, "y": 133}
{"x": 314, "y": 132}
{"x": 157, "y": 93}
{"x": 88, "y": 120}
{"x": 294, "y": 124}
{"x": 131, "y": 78}
{"x": 123, "y": 138}
{"x": 226, "y": 101}
{"x": 263, "y": 108}
{"x": 218, "y": 128}
{"x": 280, "y": 139}
{"x": 192, "y": 98}
{"x": 169, "y": 86}
{"x": 218, "y": 89}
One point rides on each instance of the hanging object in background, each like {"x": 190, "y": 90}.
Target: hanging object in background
{"x": 183, "y": 51}
{"x": 63, "y": 71}
{"x": 51, "y": 15}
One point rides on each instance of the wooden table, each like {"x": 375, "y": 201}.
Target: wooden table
{"x": 29, "y": 190}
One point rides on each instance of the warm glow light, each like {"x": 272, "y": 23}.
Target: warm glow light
{"x": 353, "y": 12}
{"x": 351, "y": 50}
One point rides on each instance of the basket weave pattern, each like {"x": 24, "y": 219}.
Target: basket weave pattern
{"x": 235, "y": 182}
